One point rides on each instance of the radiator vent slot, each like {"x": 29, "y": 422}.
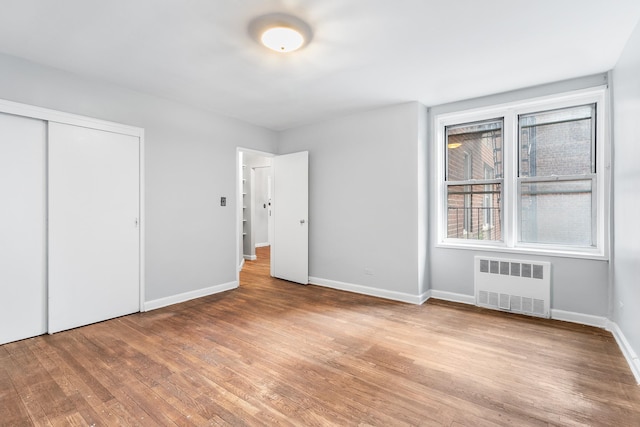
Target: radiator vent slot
{"x": 537, "y": 272}
{"x": 515, "y": 269}
{"x": 515, "y": 303}
{"x": 513, "y": 285}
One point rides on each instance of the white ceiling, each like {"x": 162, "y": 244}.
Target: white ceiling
{"x": 364, "y": 54}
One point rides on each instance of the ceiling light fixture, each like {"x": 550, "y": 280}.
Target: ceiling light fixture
{"x": 280, "y": 32}
{"x": 282, "y": 39}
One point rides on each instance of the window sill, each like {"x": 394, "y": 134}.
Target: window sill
{"x": 540, "y": 250}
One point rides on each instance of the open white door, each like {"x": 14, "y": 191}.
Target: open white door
{"x": 94, "y": 238}
{"x": 290, "y": 245}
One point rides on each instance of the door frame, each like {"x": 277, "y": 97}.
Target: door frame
{"x": 49, "y": 115}
{"x": 238, "y": 168}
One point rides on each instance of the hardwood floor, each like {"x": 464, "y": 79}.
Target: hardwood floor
{"x": 273, "y": 352}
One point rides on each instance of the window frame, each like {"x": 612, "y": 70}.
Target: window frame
{"x": 510, "y": 112}
{"x": 487, "y": 200}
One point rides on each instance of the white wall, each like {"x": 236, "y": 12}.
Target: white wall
{"x": 626, "y": 179}
{"x": 190, "y": 164}
{"x": 578, "y": 285}
{"x": 364, "y": 198}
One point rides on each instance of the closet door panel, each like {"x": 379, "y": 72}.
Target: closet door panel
{"x": 94, "y": 238}
{"x": 22, "y": 228}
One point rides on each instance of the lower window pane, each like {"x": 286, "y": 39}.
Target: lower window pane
{"x": 557, "y": 212}
{"x": 474, "y": 212}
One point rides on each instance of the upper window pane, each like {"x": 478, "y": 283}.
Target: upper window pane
{"x": 557, "y": 142}
{"x": 473, "y": 149}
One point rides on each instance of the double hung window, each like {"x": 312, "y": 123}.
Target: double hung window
{"x": 525, "y": 176}
{"x": 557, "y": 176}
{"x": 474, "y": 154}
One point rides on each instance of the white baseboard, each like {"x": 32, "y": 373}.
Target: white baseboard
{"x": 424, "y": 296}
{"x": 175, "y": 299}
{"x": 453, "y": 297}
{"x": 627, "y": 350}
{"x": 367, "y": 290}
{"x": 567, "y": 316}
{"x": 241, "y": 264}
{"x": 250, "y": 257}
{"x": 262, "y": 245}
{"x": 583, "y": 319}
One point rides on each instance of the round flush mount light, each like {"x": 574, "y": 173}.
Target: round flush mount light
{"x": 280, "y": 32}
{"x": 282, "y": 39}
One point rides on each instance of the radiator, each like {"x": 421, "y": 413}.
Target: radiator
{"x": 513, "y": 285}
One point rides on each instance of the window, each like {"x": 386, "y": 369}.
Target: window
{"x": 526, "y": 176}
{"x": 556, "y": 176}
{"x": 473, "y": 197}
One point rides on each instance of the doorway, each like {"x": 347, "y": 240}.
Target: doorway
{"x": 254, "y": 216}
{"x": 286, "y": 206}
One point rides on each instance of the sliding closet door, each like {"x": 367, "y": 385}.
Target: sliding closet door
{"x": 22, "y": 228}
{"x": 94, "y": 239}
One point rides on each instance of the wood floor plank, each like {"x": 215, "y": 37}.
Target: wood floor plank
{"x": 277, "y": 353}
{"x": 14, "y": 412}
{"x": 175, "y": 393}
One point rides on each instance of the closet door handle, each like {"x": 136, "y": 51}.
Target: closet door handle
{"x": 302, "y": 221}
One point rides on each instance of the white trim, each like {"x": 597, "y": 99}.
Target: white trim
{"x": 566, "y": 316}
{"x": 262, "y": 245}
{"x": 241, "y": 264}
{"x": 239, "y": 246}
{"x": 627, "y": 350}
{"x": 367, "y": 290}
{"x": 522, "y": 250}
{"x": 250, "y": 257}
{"x": 67, "y": 118}
{"x": 424, "y": 297}
{"x": 142, "y": 222}
{"x": 427, "y": 295}
{"x": 453, "y": 297}
{"x": 583, "y": 319}
{"x": 175, "y": 299}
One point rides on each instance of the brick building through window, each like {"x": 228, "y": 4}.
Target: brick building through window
{"x": 474, "y": 162}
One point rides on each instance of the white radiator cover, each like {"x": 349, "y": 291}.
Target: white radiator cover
{"x": 513, "y": 285}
